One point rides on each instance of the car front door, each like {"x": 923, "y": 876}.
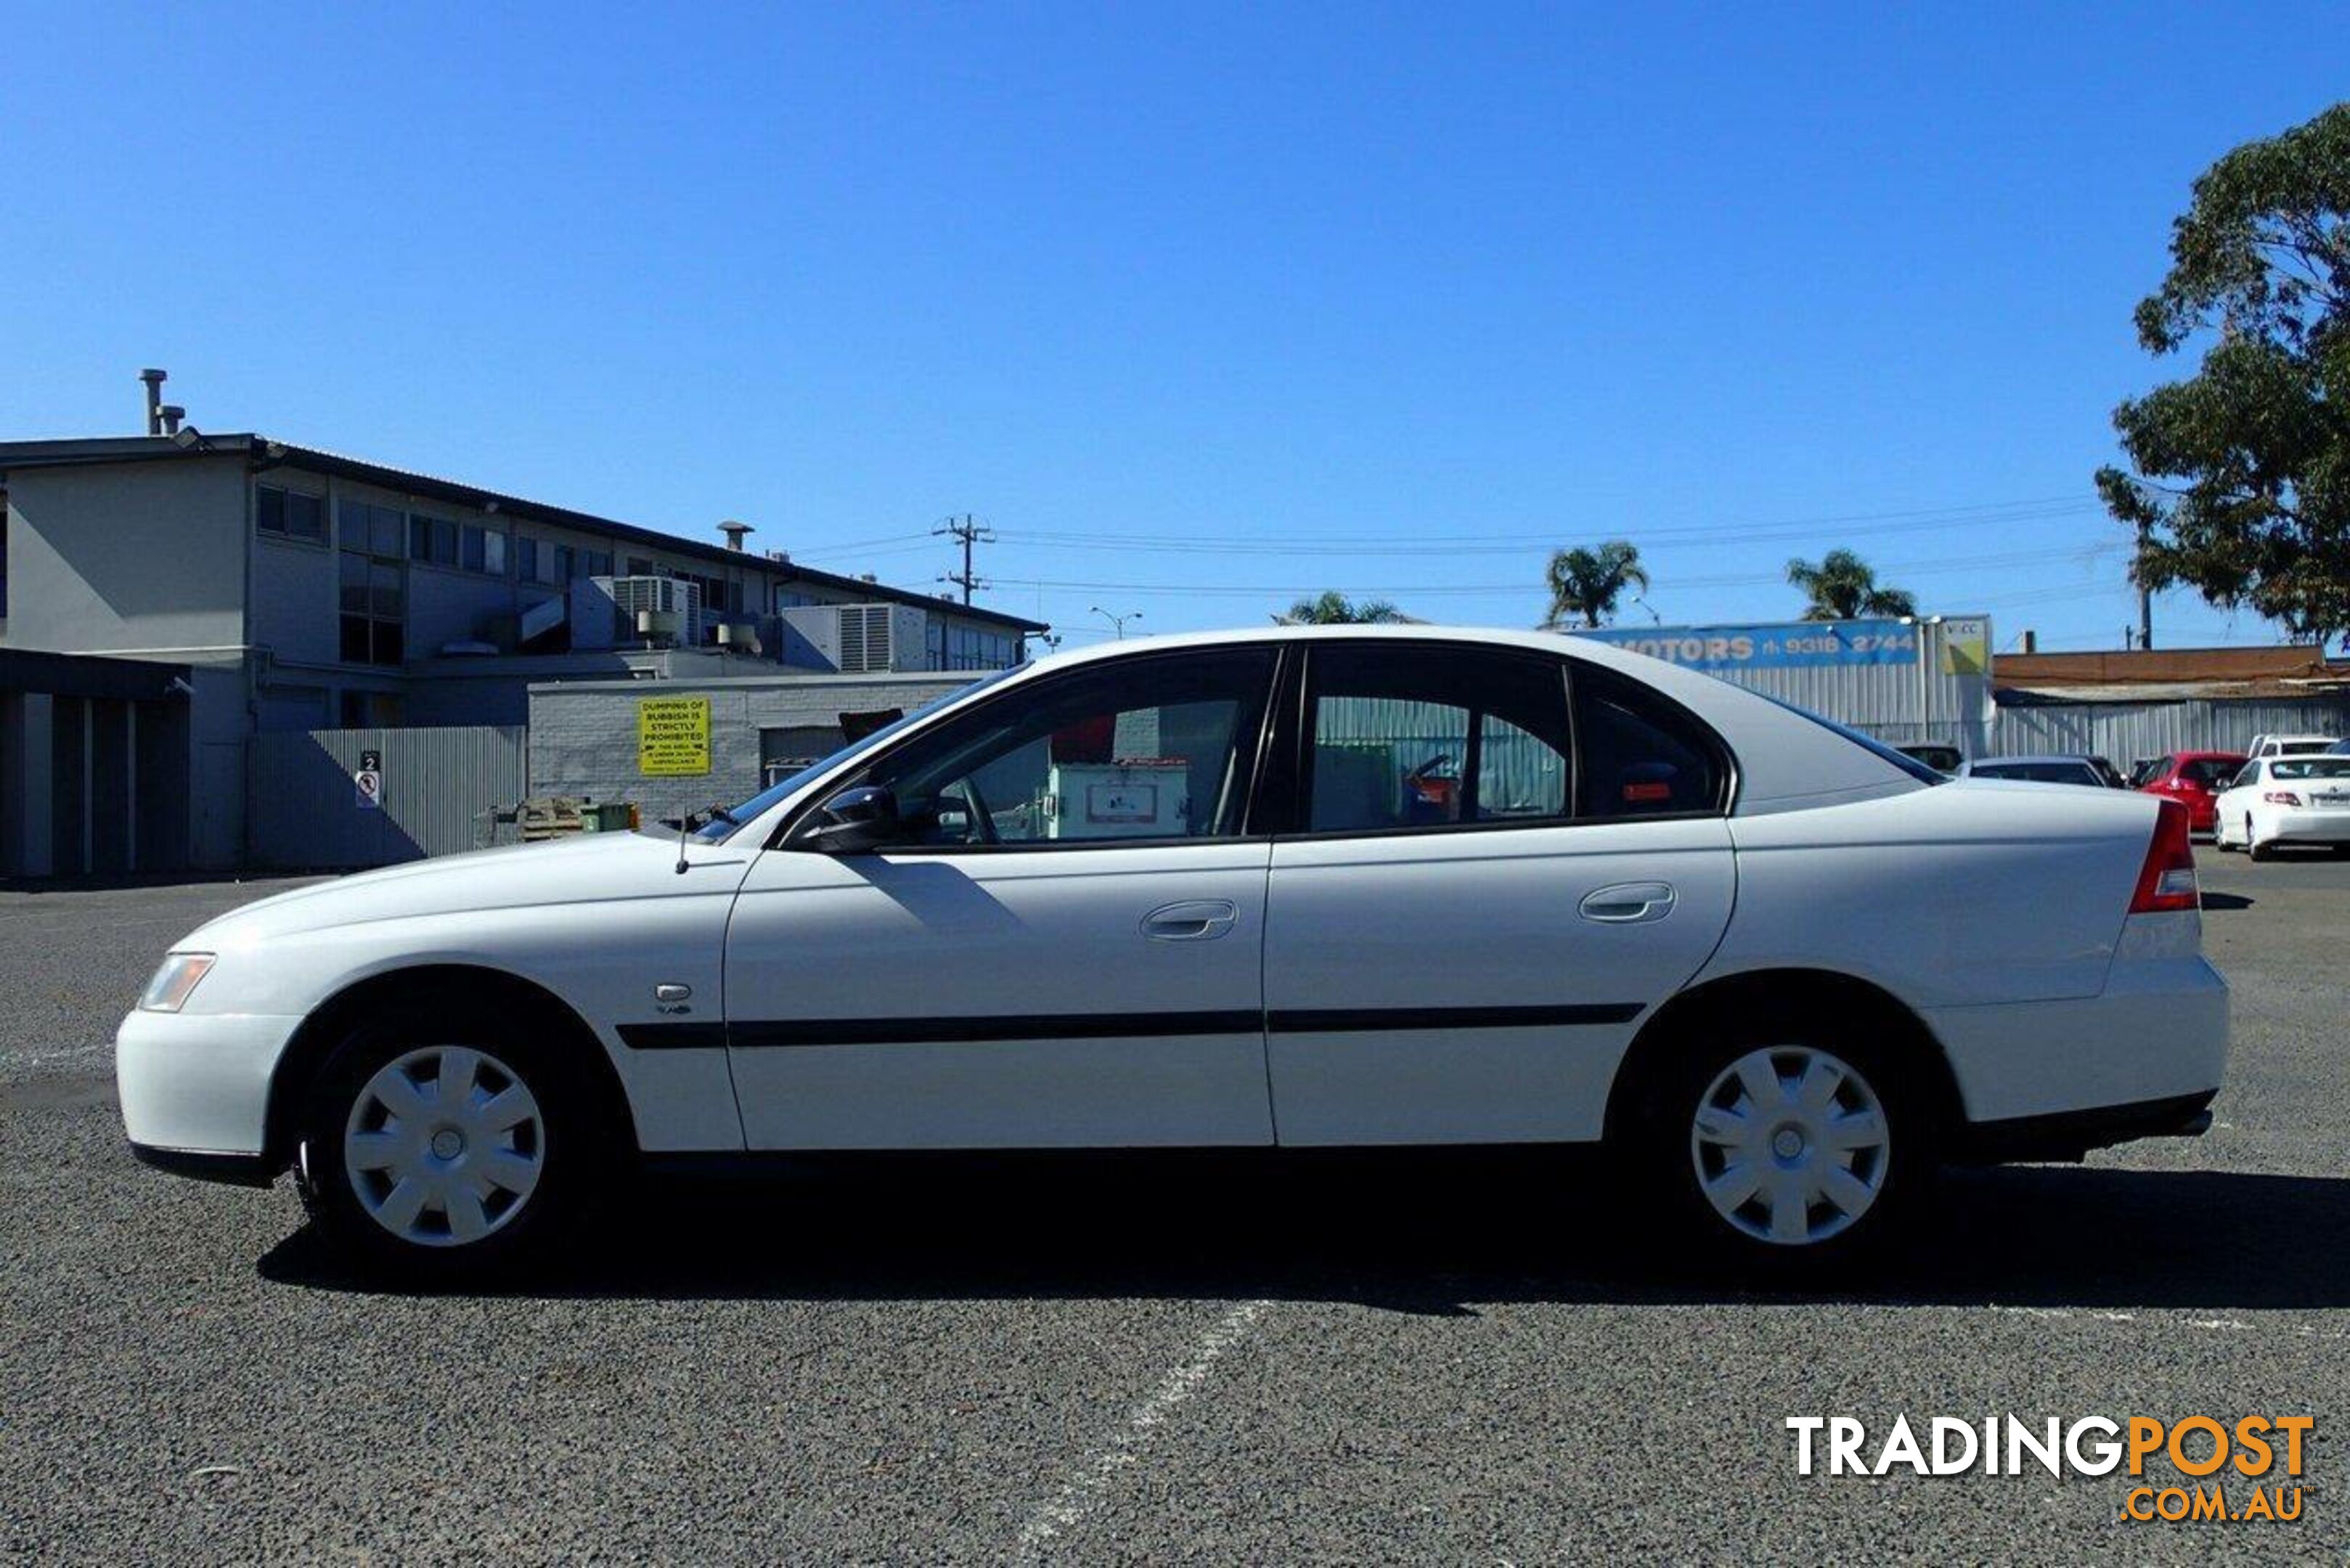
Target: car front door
{"x": 1490, "y": 880}
{"x": 1065, "y": 948}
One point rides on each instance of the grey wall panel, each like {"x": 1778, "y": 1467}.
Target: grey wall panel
{"x": 438, "y": 784}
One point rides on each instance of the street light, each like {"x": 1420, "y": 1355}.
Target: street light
{"x": 1117, "y": 622}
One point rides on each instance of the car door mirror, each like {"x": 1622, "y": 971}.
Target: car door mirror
{"x": 854, "y": 821}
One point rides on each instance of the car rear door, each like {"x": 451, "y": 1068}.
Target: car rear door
{"x": 1488, "y": 884}
{"x": 1066, "y": 951}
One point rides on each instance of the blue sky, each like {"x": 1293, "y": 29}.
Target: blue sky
{"x": 1199, "y": 307}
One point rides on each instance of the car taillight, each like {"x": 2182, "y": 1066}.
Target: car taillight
{"x": 2167, "y": 880}
{"x": 2282, "y": 797}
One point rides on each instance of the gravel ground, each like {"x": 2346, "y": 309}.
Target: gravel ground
{"x": 1403, "y": 1358}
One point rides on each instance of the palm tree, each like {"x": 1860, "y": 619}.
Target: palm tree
{"x": 1587, "y": 583}
{"x": 1843, "y": 588}
{"x": 1335, "y": 608}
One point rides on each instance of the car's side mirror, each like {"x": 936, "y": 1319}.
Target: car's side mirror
{"x": 854, "y": 821}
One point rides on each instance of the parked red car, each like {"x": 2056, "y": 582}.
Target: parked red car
{"x": 2194, "y": 779}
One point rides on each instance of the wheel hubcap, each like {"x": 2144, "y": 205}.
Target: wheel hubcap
{"x": 444, "y": 1146}
{"x": 1789, "y": 1144}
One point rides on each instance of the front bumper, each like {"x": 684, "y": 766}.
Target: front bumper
{"x": 195, "y": 1083}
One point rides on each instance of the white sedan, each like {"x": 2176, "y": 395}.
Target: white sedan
{"x": 2293, "y": 799}
{"x": 1310, "y": 887}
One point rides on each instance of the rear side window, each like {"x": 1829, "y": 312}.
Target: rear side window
{"x": 1429, "y": 737}
{"x": 1642, "y": 755}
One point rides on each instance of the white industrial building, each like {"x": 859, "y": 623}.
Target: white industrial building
{"x": 302, "y": 591}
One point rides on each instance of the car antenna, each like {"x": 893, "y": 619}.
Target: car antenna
{"x": 685, "y": 824}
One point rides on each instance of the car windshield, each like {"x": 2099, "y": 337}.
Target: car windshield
{"x": 726, "y": 820}
{"x": 2311, "y": 768}
{"x": 1869, "y": 743}
{"x": 2301, "y": 748}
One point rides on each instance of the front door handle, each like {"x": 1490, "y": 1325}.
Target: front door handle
{"x": 1628, "y": 903}
{"x": 1199, "y": 921}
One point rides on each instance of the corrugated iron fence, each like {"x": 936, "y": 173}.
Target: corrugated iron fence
{"x": 2121, "y": 731}
{"x": 305, "y": 807}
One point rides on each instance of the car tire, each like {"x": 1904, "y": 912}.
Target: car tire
{"x": 1829, "y": 1133}
{"x": 2256, "y": 849}
{"x": 446, "y": 1154}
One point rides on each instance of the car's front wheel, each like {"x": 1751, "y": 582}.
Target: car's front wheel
{"x": 1790, "y": 1146}
{"x": 439, "y": 1153}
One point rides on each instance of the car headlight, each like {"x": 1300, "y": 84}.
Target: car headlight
{"x": 175, "y": 981}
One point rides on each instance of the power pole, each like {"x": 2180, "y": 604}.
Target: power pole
{"x": 970, "y": 532}
{"x": 2145, "y": 602}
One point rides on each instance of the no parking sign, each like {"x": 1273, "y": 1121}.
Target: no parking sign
{"x": 367, "y": 782}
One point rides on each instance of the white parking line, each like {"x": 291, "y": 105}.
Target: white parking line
{"x": 2207, "y": 1324}
{"x": 1084, "y": 1492}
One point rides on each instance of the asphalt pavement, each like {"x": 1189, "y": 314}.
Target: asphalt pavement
{"x": 1400, "y": 1358}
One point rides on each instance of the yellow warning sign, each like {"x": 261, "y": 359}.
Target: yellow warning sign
{"x": 673, "y": 736}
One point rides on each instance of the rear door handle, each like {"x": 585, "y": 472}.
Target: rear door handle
{"x": 1199, "y": 921}
{"x": 1629, "y": 903}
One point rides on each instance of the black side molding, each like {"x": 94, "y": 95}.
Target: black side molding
{"x": 1353, "y": 1020}
{"x": 235, "y": 1169}
{"x": 673, "y": 1036}
{"x": 752, "y": 1035}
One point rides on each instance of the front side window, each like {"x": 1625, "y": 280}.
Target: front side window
{"x": 1406, "y": 736}
{"x": 1156, "y": 748}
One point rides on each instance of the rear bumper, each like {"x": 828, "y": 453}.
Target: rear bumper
{"x": 2156, "y": 1034}
{"x": 2069, "y": 1135}
{"x": 2304, "y": 826}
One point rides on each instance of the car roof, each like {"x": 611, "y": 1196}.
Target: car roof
{"x": 2209, "y": 756}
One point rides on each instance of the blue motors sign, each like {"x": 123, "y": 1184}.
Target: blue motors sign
{"x": 1800, "y": 644}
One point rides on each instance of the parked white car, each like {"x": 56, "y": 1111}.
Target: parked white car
{"x": 1305, "y": 887}
{"x": 2288, "y": 746}
{"x": 2050, "y": 769}
{"x": 2301, "y": 799}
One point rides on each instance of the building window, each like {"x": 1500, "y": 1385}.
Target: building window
{"x": 431, "y": 539}
{"x": 373, "y": 585}
{"x": 538, "y": 561}
{"x": 975, "y": 648}
{"x": 482, "y": 549}
{"x": 289, "y": 513}
{"x": 596, "y": 562}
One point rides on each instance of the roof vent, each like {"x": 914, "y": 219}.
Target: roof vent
{"x": 154, "y": 380}
{"x": 734, "y": 531}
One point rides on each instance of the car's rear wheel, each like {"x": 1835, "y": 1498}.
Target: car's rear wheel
{"x": 439, "y": 1153}
{"x": 1790, "y": 1146}
{"x": 2252, "y": 846}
